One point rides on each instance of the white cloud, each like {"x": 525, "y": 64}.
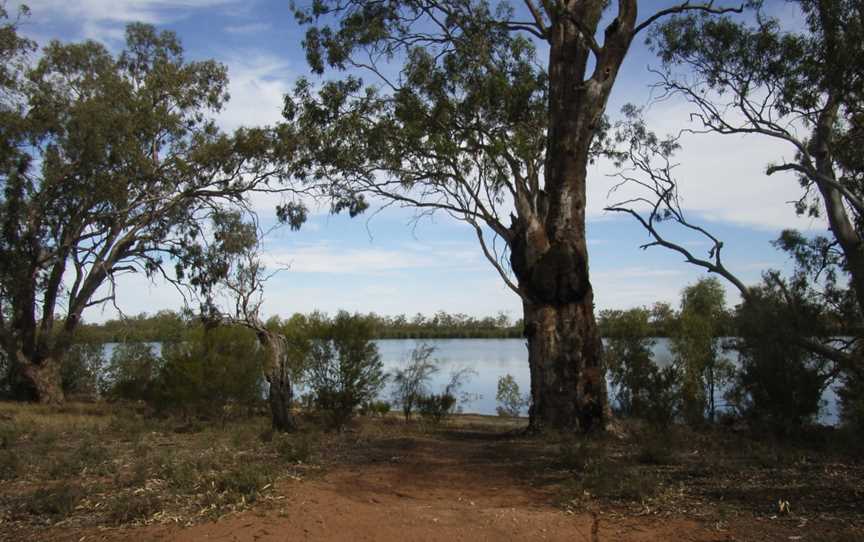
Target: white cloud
{"x": 330, "y": 258}
{"x": 250, "y": 28}
{"x": 105, "y": 20}
{"x": 258, "y": 82}
{"x": 721, "y": 177}
{"x": 122, "y": 11}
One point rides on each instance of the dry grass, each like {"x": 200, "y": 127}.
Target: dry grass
{"x": 83, "y": 465}
{"x": 100, "y": 465}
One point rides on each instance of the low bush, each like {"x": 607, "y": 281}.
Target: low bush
{"x": 10, "y": 465}
{"x": 375, "y": 408}
{"x": 435, "y": 408}
{"x": 243, "y": 482}
{"x": 511, "y": 403}
{"x": 345, "y": 369}
{"x": 57, "y": 502}
{"x": 656, "y": 450}
{"x": 295, "y": 448}
{"x": 131, "y": 507}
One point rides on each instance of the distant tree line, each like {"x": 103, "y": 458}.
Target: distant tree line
{"x": 168, "y": 325}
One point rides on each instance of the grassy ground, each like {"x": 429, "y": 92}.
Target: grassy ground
{"x": 88, "y": 466}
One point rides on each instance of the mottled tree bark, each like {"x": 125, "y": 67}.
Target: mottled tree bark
{"x": 44, "y": 379}
{"x": 549, "y": 253}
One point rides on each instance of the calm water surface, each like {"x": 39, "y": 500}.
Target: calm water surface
{"x": 491, "y": 359}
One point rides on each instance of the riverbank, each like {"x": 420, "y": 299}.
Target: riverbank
{"x": 95, "y": 472}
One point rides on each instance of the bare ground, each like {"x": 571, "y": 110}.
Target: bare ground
{"x": 479, "y": 479}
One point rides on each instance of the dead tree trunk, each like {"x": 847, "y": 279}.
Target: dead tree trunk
{"x": 281, "y": 394}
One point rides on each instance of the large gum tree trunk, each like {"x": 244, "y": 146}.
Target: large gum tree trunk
{"x": 549, "y": 254}
{"x": 281, "y": 394}
{"x": 568, "y": 387}
{"x": 43, "y": 378}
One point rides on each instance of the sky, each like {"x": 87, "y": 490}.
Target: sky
{"x": 390, "y": 263}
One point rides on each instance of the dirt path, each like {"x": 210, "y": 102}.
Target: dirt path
{"x": 461, "y": 488}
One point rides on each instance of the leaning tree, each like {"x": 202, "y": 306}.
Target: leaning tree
{"x": 111, "y": 165}
{"x": 463, "y": 117}
{"x": 803, "y": 87}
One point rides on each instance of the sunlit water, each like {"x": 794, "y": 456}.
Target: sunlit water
{"x": 490, "y": 359}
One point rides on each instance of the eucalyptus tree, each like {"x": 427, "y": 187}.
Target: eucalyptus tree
{"x": 801, "y": 85}
{"x": 112, "y": 165}
{"x": 463, "y": 117}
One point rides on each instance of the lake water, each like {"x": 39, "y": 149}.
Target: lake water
{"x": 491, "y": 359}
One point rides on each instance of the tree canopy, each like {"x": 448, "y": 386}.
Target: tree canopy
{"x": 463, "y": 117}
{"x": 112, "y": 164}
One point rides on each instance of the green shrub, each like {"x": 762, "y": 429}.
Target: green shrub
{"x": 375, "y": 408}
{"x": 131, "y": 373}
{"x": 345, "y": 369}
{"x": 295, "y": 448}
{"x": 243, "y": 482}
{"x": 435, "y": 408}
{"x": 57, "y": 502}
{"x": 662, "y": 397}
{"x": 510, "y": 399}
{"x": 79, "y": 371}
{"x": 851, "y": 395}
{"x": 629, "y": 358}
{"x": 212, "y": 369}
{"x": 608, "y": 480}
{"x": 779, "y": 385}
{"x": 656, "y": 450}
{"x": 573, "y": 455}
{"x": 128, "y": 508}
{"x": 412, "y": 382}
{"x": 9, "y": 435}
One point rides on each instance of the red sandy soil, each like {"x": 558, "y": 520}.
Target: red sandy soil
{"x": 415, "y": 490}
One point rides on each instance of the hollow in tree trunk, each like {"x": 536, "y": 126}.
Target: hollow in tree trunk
{"x": 43, "y": 378}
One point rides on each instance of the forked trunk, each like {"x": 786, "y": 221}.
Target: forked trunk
{"x": 568, "y": 387}
{"x": 44, "y": 379}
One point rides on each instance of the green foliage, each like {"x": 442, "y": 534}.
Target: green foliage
{"x": 629, "y": 357}
{"x": 851, "y": 396}
{"x": 57, "y": 502}
{"x": 345, "y": 369}
{"x": 697, "y": 351}
{"x": 169, "y": 326}
{"x": 642, "y": 389}
{"x": 111, "y": 164}
{"x": 663, "y": 397}
{"x": 296, "y": 448}
{"x": 435, "y": 408}
{"x": 80, "y": 369}
{"x": 510, "y": 400}
{"x": 212, "y": 368}
{"x": 375, "y": 408}
{"x": 412, "y": 382}
{"x": 760, "y": 75}
{"x": 131, "y": 372}
{"x": 779, "y": 384}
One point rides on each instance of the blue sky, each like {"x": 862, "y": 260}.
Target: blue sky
{"x": 391, "y": 264}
